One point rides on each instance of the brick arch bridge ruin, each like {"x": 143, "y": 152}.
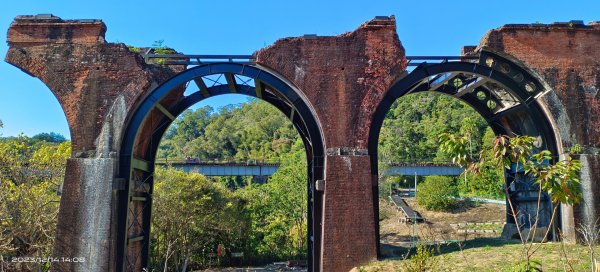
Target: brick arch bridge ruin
{"x": 542, "y": 80}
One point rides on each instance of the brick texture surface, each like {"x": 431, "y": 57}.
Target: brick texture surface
{"x": 349, "y": 237}
{"x": 85, "y": 73}
{"x": 344, "y": 78}
{"x": 567, "y": 58}
{"x": 89, "y": 77}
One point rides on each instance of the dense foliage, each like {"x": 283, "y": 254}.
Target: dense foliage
{"x": 270, "y": 219}
{"x": 279, "y": 209}
{"x": 192, "y": 216}
{"x": 411, "y": 128}
{"x": 250, "y": 131}
{"x": 31, "y": 174}
{"x": 410, "y": 133}
{"x": 488, "y": 181}
{"x": 437, "y": 193}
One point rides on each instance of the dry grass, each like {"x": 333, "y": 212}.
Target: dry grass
{"x": 492, "y": 254}
{"x": 438, "y": 225}
{"x": 475, "y": 253}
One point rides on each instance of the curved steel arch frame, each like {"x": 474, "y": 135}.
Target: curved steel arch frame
{"x": 526, "y": 118}
{"x": 158, "y": 110}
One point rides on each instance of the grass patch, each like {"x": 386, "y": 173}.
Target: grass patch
{"x": 493, "y": 254}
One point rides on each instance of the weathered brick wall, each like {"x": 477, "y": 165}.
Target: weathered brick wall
{"x": 344, "y": 78}
{"x": 97, "y": 84}
{"x": 567, "y": 58}
{"x": 85, "y": 73}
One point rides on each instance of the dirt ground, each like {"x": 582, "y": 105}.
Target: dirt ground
{"x": 395, "y": 234}
{"x": 437, "y": 225}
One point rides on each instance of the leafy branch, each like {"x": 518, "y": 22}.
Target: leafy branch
{"x": 559, "y": 180}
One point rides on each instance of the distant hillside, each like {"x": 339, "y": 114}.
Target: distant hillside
{"x": 258, "y": 131}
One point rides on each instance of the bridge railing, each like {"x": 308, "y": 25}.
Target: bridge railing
{"x": 422, "y": 163}
{"x": 418, "y": 60}
{"x": 181, "y": 59}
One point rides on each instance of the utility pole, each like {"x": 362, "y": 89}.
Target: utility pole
{"x": 415, "y": 185}
{"x": 415, "y": 214}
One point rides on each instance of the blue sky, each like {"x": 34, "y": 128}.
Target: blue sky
{"x": 242, "y": 27}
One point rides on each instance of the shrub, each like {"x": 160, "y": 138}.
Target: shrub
{"x": 488, "y": 183}
{"x": 423, "y": 260}
{"x": 437, "y": 193}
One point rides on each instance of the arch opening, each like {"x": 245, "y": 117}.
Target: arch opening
{"x": 422, "y": 194}
{"x": 159, "y": 109}
{"x": 502, "y": 92}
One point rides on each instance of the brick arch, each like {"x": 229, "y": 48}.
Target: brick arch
{"x": 548, "y": 103}
{"x": 159, "y": 108}
{"x": 497, "y": 80}
{"x": 344, "y": 77}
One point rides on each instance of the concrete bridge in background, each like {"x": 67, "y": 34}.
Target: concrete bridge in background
{"x": 422, "y": 169}
{"x": 223, "y": 168}
{"x": 528, "y": 79}
{"x": 259, "y": 169}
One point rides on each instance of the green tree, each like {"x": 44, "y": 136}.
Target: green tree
{"x": 30, "y": 180}
{"x": 278, "y": 210}
{"x": 288, "y": 190}
{"x": 437, "y": 193}
{"x": 192, "y": 216}
{"x": 250, "y": 131}
{"x": 411, "y": 128}
{"x": 253, "y": 131}
{"x": 51, "y": 137}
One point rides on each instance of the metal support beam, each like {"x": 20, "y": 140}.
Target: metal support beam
{"x": 119, "y": 184}
{"x": 416, "y": 86}
{"x": 230, "y": 82}
{"x": 435, "y": 85}
{"x": 135, "y": 239}
{"x": 165, "y": 111}
{"x": 202, "y": 86}
{"x": 258, "y": 87}
{"x": 140, "y": 164}
{"x": 320, "y": 185}
{"x": 470, "y": 87}
{"x": 510, "y": 111}
{"x": 177, "y": 59}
